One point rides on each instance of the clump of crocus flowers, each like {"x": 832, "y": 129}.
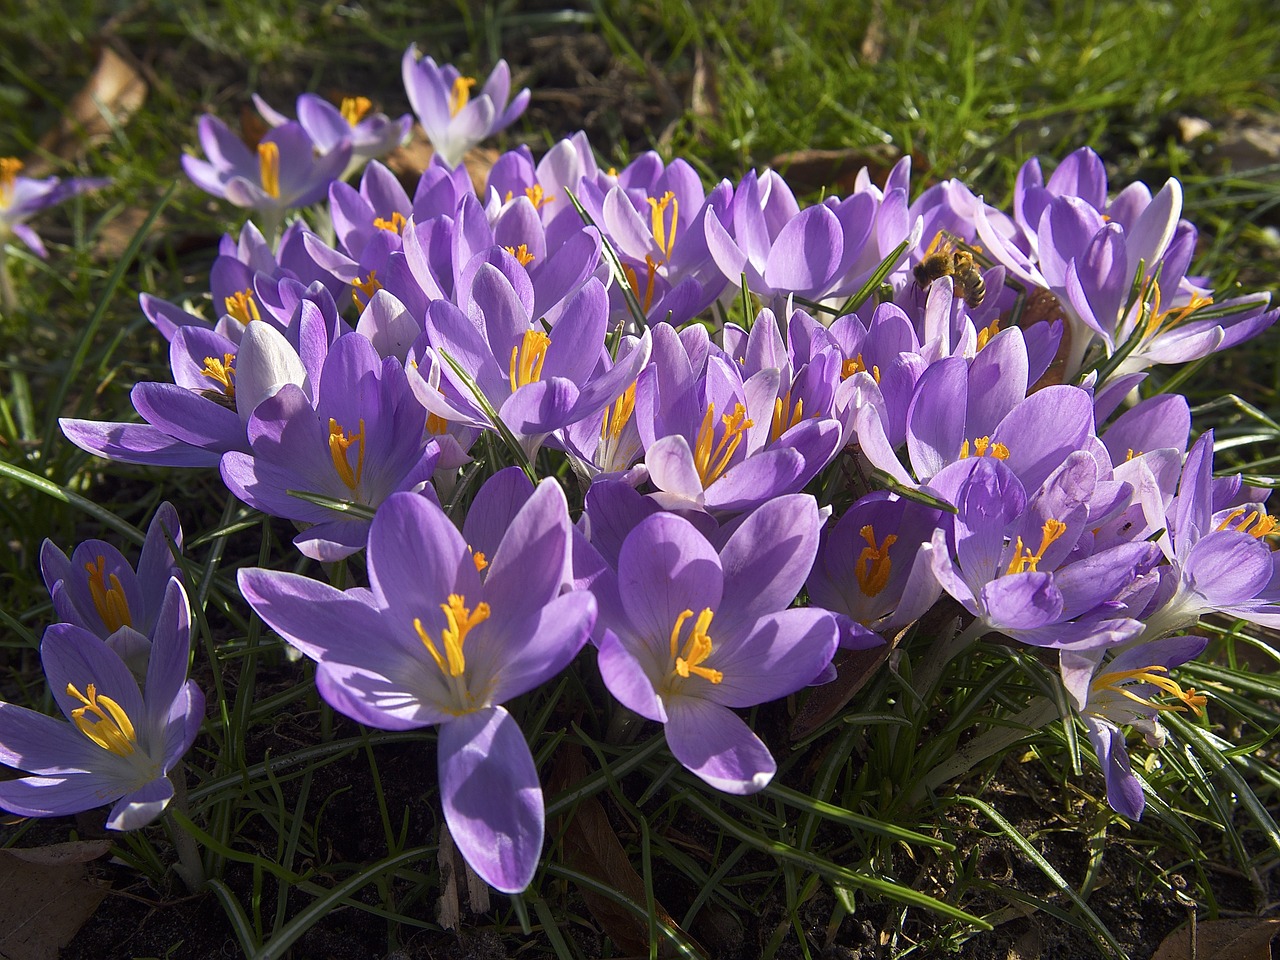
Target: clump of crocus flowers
{"x": 867, "y": 435}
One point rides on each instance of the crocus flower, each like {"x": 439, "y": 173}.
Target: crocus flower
{"x": 121, "y": 742}
{"x": 435, "y": 641}
{"x": 1121, "y": 692}
{"x": 97, "y": 589}
{"x": 23, "y": 197}
{"x": 455, "y": 121}
{"x": 371, "y": 135}
{"x": 284, "y": 171}
{"x": 698, "y": 633}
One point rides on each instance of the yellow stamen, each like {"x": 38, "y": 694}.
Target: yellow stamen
{"x": 712, "y": 463}
{"x": 1024, "y": 561}
{"x": 536, "y": 196}
{"x": 112, "y": 730}
{"x": 9, "y": 167}
{"x": 785, "y": 416}
{"x": 269, "y": 169}
{"x": 873, "y": 564}
{"x": 436, "y": 426}
{"x": 1256, "y": 523}
{"x": 857, "y": 365}
{"x": 633, "y": 281}
{"x": 353, "y": 109}
{"x": 394, "y": 225}
{"x": 368, "y": 286}
{"x": 521, "y": 253}
{"x": 983, "y": 447}
{"x": 460, "y": 94}
{"x": 480, "y": 560}
{"x": 696, "y": 648}
{"x": 241, "y": 306}
{"x": 527, "y": 359}
{"x": 664, "y": 238}
{"x": 460, "y": 620}
{"x": 110, "y": 602}
{"x": 221, "y": 372}
{"x": 987, "y": 332}
{"x": 616, "y": 417}
{"x": 339, "y": 442}
{"x": 1117, "y": 681}
{"x": 1162, "y": 321}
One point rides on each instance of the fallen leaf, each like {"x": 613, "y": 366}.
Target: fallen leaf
{"x": 1248, "y": 938}
{"x": 872, "y": 47}
{"x": 45, "y": 897}
{"x": 410, "y": 160}
{"x": 592, "y": 847}
{"x": 113, "y": 93}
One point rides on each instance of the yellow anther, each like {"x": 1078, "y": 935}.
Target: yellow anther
{"x": 1255, "y": 523}
{"x": 527, "y": 359}
{"x": 983, "y": 447}
{"x": 857, "y": 365}
{"x": 269, "y": 169}
{"x": 111, "y": 730}
{"x": 368, "y": 286}
{"x": 987, "y": 332}
{"x": 241, "y": 306}
{"x": 663, "y": 236}
{"x": 339, "y": 443}
{"x": 460, "y": 94}
{"x": 1024, "y": 561}
{"x": 110, "y": 602}
{"x": 521, "y": 253}
{"x": 353, "y": 109}
{"x": 1161, "y": 321}
{"x": 785, "y": 416}
{"x": 9, "y": 167}
{"x": 873, "y": 564}
{"x": 646, "y": 300}
{"x": 1118, "y": 681}
{"x": 394, "y": 225}
{"x": 536, "y": 196}
{"x": 480, "y": 560}
{"x": 697, "y": 648}
{"x": 436, "y": 426}
{"x": 617, "y": 415}
{"x": 459, "y": 621}
{"x": 221, "y": 372}
{"x": 711, "y": 463}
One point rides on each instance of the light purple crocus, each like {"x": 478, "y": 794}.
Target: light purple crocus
{"x": 1121, "y": 692}
{"x": 436, "y": 641}
{"x": 23, "y": 197}
{"x": 97, "y": 589}
{"x": 364, "y": 439}
{"x": 121, "y": 742}
{"x": 370, "y": 134}
{"x": 695, "y": 634}
{"x": 454, "y": 120}
{"x": 284, "y": 172}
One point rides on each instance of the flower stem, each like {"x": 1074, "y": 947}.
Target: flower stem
{"x": 189, "y": 866}
{"x": 8, "y": 296}
{"x": 937, "y": 657}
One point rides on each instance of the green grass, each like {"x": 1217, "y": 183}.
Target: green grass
{"x": 854, "y": 827}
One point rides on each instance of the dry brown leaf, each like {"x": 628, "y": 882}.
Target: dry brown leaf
{"x": 45, "y": 897}
{"x": 704, "y": 101}
{"x": 808, "y": 171}
{"x": 410, "y": 160}
{"x": 872, "y": 47}
{"x": 1248, "y": 938}
{"x": 592, "y": 847}
{"x": 113, "y": 93}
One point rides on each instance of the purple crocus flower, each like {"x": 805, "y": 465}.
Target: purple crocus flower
{"x": 436, "y": 641}
{"x": 284, "y": 172}
{"x": 1120, "y": 692}
{"x": 696, "y": 634}
{"x": 371, "y": 135}
{"x": 23, "y": 197}
{"x": 455, "y": 121}
{"x": 364, "y": 439}
{"x": 121, "y": 742}
{"x": 97, "y": 589}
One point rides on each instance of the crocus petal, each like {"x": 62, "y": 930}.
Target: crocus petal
{"x": 491, "y": 796}
{"x": 56, "y": 796}
{"x": 143, "y": 805}
{"x": 713, "y": 742}
{"x": 40, "y": 744}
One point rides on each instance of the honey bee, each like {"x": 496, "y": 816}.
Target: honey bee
{"x": 960, "y": 266}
